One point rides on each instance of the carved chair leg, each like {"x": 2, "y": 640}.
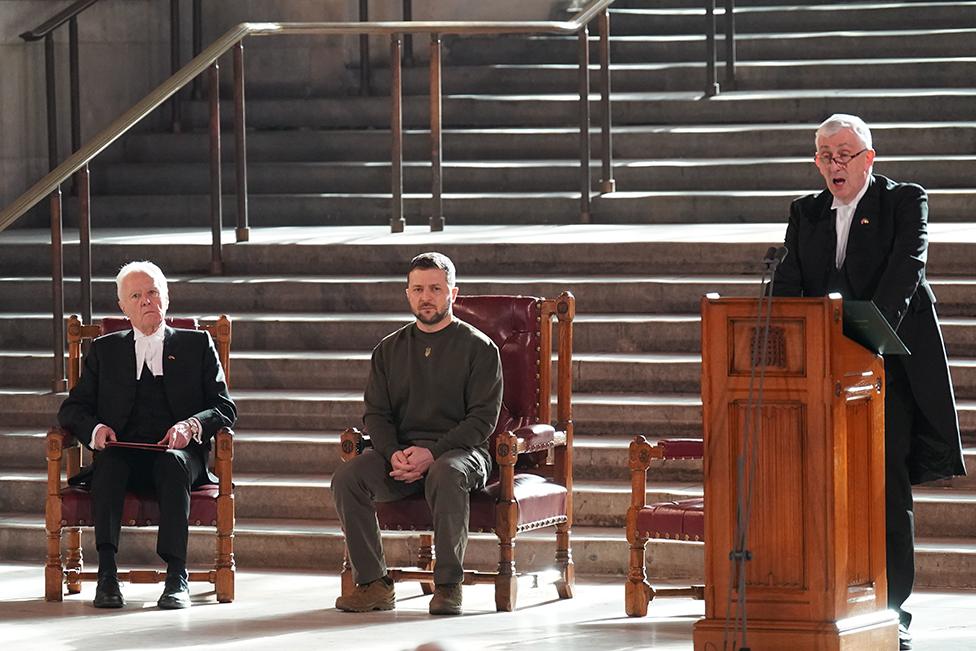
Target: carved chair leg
{"x": 506, "y": 581}
{"x": 638, "y": 592}
{"x": 53, "y": 569}
{"x": 425, "y": 560}
{"x": 564, "y": 562}
{"x": 74, "y": 560}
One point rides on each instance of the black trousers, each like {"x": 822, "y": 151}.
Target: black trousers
{"x": 901, "y": 412}
{"x": 169, "y": 475}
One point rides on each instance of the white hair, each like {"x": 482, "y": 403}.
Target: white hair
{"x": 840, "y": 121}
{"x": 151, "y": 270}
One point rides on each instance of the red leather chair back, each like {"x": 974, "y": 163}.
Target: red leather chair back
{"x": 116, "y": 323}
{"x": 512, "y": 322}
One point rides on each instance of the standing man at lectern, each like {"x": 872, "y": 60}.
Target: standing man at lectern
{"x": 866, "y": 237}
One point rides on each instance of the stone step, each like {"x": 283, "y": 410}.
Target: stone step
{"x": 800, "y": 18}
{"x": 308, "y": 496}
{"x": 933, "y": 172}
{"x": 938, "y": 512}
{"x": 596, "y": 457}
{"x": 635, "y": 142}
{"x": 832, "y": 72}
{"x": 650, "y": 48}
{"x": 319, "y": 545}
{"x": 348, "y": 370}
{"x": 555, "y": 110}
{"x": 697, "y": 250}
{"x": 594, "y": 294}
{"x": 617, "y": 333}
{"x": 621, "y": 414}
{"x": 940, "y": 562}
{"x": 657, "y": 207}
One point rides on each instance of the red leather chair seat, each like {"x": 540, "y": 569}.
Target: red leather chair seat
{"x": 139, "y": 509}
{"x": 540, "y": 503}
{"x": 681, "y": 520}
{"x": 683, "y": 448}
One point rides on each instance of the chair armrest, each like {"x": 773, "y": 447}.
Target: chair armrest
{"x": 65, "y": 438}
{"x": 352, "y": 442}
{"x": 537, "y": 438}
{"x": 682, "y": 448}
{"x": 224, "y": 455}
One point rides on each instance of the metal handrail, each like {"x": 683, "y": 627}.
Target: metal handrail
{"x": 77, "y": 163}
{"x": 231, "y": 37}
{"x": 57, "y": 20}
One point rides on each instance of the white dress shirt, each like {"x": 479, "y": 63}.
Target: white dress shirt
{"x": 845, "y": 215}
{"x": 149, "y": 351}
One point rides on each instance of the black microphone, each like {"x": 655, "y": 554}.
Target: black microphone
{"x": 770, "y": 255}
{"x": 774, "y": 256}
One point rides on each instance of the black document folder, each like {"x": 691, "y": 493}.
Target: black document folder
{"x": 864, "y": 324}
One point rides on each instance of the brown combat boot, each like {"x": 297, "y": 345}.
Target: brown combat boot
{"x": 446, "y": 599}
{"x": 375, "y": 595}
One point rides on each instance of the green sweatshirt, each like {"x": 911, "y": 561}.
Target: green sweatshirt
{"x": 440, "y": 390}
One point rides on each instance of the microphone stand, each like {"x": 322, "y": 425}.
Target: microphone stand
{"x": 740, "y": 554}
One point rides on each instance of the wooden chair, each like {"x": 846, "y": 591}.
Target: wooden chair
{"x": 681, "y": 520}
{"x": 69, "y": 507}
{"x": 532, "y": 483}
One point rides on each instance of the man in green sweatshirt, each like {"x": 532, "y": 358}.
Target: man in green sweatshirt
{"x": 432, "y": 401}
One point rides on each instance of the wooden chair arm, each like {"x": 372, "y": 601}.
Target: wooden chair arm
{"x": 641, "y": 453}
{"x": 224, "y": 459}
{"x": 350, "y": 444}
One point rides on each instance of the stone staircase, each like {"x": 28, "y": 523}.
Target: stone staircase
{"x": 704, "y": 186}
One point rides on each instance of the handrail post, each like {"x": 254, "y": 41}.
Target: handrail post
{"x": 711, "y": 84}
{"x": 197, "y": 92}
{"x": 240, "y": 144}
{"x": 607, "y": 184}
{"x": 436, "y": 139}
{"x": 75, "y": 86}
{"x": 58, "y": 383}
{"x": 584, "y": 120}
{"x": 52, "y": 102}
{"x": 82, "y": 182}
{"x": 176, "y": 110}
{"x": 408, "y": 40}
{"x": 397, "y": 222}
{"x": 730, "y": 44}
{"x": 216, "y": 196}
{"x": 364, "y": 70}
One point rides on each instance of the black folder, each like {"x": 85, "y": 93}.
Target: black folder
{"x": 864, "y": 324}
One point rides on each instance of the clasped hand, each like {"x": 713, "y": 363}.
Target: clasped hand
{"x": 411, "y": 464}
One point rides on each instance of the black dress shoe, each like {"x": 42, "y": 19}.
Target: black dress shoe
{"x": 176, "y": 593}
{"x": 904, "y": 638}
{"x": 107, "y": 593}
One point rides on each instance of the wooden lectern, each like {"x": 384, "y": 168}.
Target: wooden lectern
{"x": 816, "y": 578}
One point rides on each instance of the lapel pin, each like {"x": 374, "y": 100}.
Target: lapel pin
{"x": 171, "y": 357}
{"x": 864, "y": 221}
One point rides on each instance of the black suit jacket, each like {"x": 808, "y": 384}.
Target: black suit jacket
{"x": 887, "y": 247}
{"x": 192, "y": 378}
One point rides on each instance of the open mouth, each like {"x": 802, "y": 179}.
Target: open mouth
{"x": 838, "y": 182}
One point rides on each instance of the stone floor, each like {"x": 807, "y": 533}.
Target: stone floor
{"x": 292, "y": 610}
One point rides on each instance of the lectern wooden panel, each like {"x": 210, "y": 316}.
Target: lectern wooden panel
{"x": 816, "y": 578}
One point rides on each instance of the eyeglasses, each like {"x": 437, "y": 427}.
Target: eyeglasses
{"x": 841, "y": 159}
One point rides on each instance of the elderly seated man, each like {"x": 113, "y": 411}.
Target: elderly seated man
{"x": 156, "y": 385}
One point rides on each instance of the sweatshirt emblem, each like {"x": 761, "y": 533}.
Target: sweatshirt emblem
{"x": 427, "y": 352}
